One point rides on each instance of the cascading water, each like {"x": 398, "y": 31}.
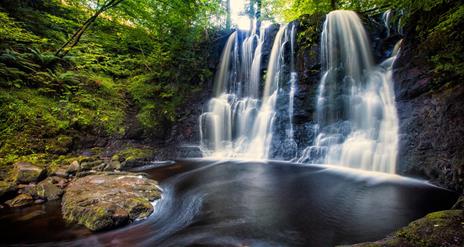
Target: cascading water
{"x": 237, "y": 124}
{"x": 293, "y": 81}
{"x": 386, "y": 17}
{"x": 357, "y": 123}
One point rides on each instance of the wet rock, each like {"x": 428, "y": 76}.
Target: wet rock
{"x": 20, "y": 201}
{"x": 39, "y": 201}
{"x": 115, "y": 163}
{"x": 30, "y": 189}
{"x": 89, "y": 165}
{"x": 24, "y": 173}
{"x": 61, "y": 172}
{"x": 108, "y": 200}
{"x": 48, "y": 190}
{"x": 73, "y": 167}
{"x": 101, "y": 167}
{"x": 429, "y": 102}
{"x": 444, "y": 228}
{"x": 31, "y": 215}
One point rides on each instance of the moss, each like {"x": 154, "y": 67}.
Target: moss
{"x": 310, "y": 29}
{"x": 20, "y": 201}
{"x": 60, "y": 145}
{"x": 11, "y": 31}
{"x": 134, "y": 154}
{"x": 440, "y": 40}
{"x": 443, "y": 228}
{"x": 139, "y": 208}
{"x": 97, "y": 218}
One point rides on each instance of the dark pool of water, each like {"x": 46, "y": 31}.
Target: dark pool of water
{"x": 233, "y": 203}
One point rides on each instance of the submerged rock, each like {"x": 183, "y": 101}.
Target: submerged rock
{"x": 444, "y": 228}
{"x": 24, "y": 173}
{"x": 108, "y": 200}
{"x": 20, "y": 201}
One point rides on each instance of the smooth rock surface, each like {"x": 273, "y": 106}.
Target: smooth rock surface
{"x": 73, "y": 167}
{"x": 24, "y": 173}
{"x": 47, "y": 189}
{"x": 108, "y": 200}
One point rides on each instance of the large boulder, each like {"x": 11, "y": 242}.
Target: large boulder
{"x": 108, "y": 200}
{"x": 24, "y": 173}
{"x": 444, "y": 228}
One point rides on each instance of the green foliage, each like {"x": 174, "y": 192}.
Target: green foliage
{"x": 290, "y": 10}
{"x": 447, "y": 36}
{"x": 138, "y": 51}
{"x": 11, "y": 31}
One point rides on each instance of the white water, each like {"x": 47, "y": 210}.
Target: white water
{"x": 357, "y": 122}
{"x": 386, "y": 17}
{"x": 237, "y": 123}
{"x": 293, "y": 81}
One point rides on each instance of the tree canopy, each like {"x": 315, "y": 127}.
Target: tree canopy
{"x": 288, "y": 10}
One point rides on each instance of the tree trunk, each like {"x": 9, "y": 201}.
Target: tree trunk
{"x": 63, "y": 51}
{"x": 333, "y": 4}
{"x": 74, "y": 40}
{"x": 251, "y": 13}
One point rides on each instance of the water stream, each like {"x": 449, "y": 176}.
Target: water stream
{"x": 240, "y": 203}
{"x": 238, "y": 121}
{"x": 357, "y": 121}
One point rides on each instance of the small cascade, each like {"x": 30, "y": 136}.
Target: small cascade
{"x": 386, "y": 18}
{"x": 237, "y": 122}
{"x": 293, "y": 84}
{"x": 357, "y": 122}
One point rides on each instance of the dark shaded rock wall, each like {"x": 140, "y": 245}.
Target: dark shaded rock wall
{"x": 307, "y": 65}
{"x": 430, "y": 104}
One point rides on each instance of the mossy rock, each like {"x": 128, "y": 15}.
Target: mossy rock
{"x": 108, "y": 200}
{"x": 443, "y": 228}
{"x": 48, "y": 190}
{"x": 133, "y": 157}
{"x": 24, "y": 173}
{"x": 20, "y": 201}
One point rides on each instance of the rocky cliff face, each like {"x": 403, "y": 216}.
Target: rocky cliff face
{"x": 429, "y": 95}
{"x": 430, "y": 99}
{"x": 427, "y": 86}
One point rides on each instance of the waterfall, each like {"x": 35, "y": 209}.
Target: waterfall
{"x": 357, "y": 122}
{"x": 238, "y": 123}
